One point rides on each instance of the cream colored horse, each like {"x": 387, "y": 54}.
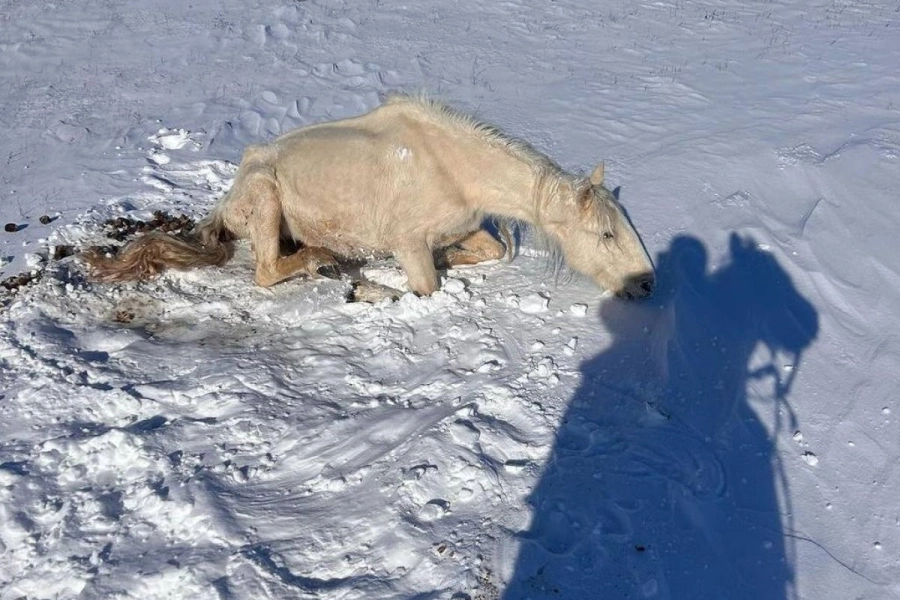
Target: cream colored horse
{"x": 413, "y": 179}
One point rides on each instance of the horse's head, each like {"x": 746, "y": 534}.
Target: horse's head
{"x": 598, "y": 240}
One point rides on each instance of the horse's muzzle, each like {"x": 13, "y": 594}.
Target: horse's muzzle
{"x": 638, "y": 286}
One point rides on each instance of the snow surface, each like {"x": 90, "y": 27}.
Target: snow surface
{"x": 513, "y": 436}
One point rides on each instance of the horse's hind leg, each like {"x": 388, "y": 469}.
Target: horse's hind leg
{"x": 260, "y": 203}
{"x": 309, "y": 261}
{"x": 475, "y": 248}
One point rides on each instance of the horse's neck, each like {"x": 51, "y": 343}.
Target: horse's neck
{"x": 534, "y": 195}
{"x": 495, "y": 181}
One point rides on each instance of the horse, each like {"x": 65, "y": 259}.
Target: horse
{"x": 414, "y": 179}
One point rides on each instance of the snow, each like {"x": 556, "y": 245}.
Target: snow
{"x": 519, "y": 434}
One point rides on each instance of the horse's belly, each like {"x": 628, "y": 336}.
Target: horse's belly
{"x": 379, "y": 209}
{"x": 339, "y": 235}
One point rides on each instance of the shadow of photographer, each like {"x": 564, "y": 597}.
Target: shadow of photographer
{"x": 663, "y": 481}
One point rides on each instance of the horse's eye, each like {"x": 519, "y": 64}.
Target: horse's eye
{"x": 607, "y": 235}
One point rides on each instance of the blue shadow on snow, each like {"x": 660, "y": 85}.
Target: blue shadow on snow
{"x": 663, "y": 481}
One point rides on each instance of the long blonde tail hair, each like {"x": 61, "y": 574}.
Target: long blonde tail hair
{"x": 211, "y": 244}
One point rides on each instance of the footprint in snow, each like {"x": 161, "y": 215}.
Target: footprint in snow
{"x": 434, "y": 510}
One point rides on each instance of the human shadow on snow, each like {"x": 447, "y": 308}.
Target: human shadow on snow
{"x": 663, "y": 481}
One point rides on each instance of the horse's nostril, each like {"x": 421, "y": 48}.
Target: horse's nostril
{"x": 639, "y": 286}
{"x": 643, "y": 286}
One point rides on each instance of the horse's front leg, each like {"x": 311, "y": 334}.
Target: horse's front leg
{"x": 471, "y": 249}
{"x": 417, "y": 260}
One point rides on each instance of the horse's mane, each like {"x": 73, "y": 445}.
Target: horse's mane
{"x": 492, "y": 135}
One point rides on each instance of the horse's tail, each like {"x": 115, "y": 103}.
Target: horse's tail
{"x": 210, "y": 244}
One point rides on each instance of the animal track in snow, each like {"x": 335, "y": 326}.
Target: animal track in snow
{"x": 173, "y": 139}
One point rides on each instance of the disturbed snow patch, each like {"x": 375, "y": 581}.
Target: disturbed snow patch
{"x": 204, "y": 428}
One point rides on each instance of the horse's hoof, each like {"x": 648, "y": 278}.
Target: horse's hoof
{"x": 329, "y": 271}
{"x": 366, "y": 291}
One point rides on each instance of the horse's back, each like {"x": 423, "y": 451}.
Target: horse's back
{"x": 368, "y": 182}
{"x": 363, "y": 182}
{"x": 388, "y": 151}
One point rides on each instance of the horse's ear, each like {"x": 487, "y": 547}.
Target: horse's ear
{"x": 597, "y": 175}
{"x": 584, "y": 196}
